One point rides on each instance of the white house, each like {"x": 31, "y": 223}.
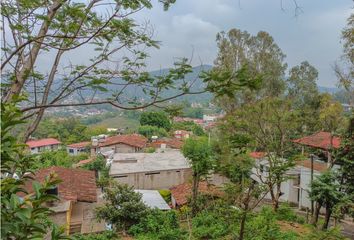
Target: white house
{"x": 41, "y": 145}
{"x": 77, "y": 148}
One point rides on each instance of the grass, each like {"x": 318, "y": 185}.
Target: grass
{"x": 119, "y": 122}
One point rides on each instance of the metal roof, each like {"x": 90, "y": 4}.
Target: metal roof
{"x": 153, "y": 199}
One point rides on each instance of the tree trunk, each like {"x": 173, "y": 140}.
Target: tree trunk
{"x": 242, "y": 225}
{"x": 327, "y": 218}
{"x": 195, "y": 193}
{"x": 314, "y": 219}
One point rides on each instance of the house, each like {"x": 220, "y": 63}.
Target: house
{"x": 181, "y": 193}
{"x": 159, "y": 170}
{"x": 41, "y": 145}
{"x": 119, "y": 144}
{"x": 153, "y": 199}
{"x": 77, "y": 195}
{"x": 77, "y": 148}
{"x": 295, "y": 189}
{"x": 166, "y": 143}
{"x": 182, "y": 134}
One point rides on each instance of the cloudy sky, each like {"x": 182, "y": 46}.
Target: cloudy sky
{"x": 191, "y": 26}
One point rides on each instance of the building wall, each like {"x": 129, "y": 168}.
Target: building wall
{"x": 155, "y": 180}
{"x": 45, "y": 148}
{"x": 121, "y": 148}
{"x": 76, "y": 151}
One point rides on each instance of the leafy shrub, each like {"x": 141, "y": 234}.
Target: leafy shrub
{"x": 285, "y": 213}
{"x": 149, "y": 131}
{"x": 56, "y": 158}
{"x": 331, "y": 234}
{"x": 209, "y": 225}
{"x": 107, "y": 235}
{"x": 158, "y": 225}
{"x": 166, "y": 194}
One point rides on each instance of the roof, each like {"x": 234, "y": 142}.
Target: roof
{"x": 42, "y": 142}
{"x": 125, "y": 163}
{"x": 182, "y": 192}
{"x": 82, "y": 162}
{"x": 317, "y": 165}
{"x": 153, "y": 199}
{"x": 319, "y": 140}
{"x": 257, "y": 154}
{"x": 134, "y": 140}
{"x": 170, "y": 142}
{"x": 76, "y": 185}
{"x": 79, "y": 145}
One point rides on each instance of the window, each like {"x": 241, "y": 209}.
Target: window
{"x": 121, "y": 176}
{"x": 52, "y": 191}
{"x": 71, "y": 150}
{"x": 152, "y": 173}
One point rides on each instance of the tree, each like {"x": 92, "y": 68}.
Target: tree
{"x": 199, "y": 154}
{"x": 157, "y": 119}
{"x": 325, "y": 190}
{"x": 189, "y": 126}
{"x": 302, "y": 85}
{"x": 104, "y": 29}
{"x": 345, "y": 69}
{"x": 124, "y": 207}
{"x": 262, "y": 55}
{"x": 267, "y": 126}
{"x": 55, "y": 158}
{"x": 149, "y": 131}
{"x": 24, "y": 217}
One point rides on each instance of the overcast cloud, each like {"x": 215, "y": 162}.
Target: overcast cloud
{"x": 191, "y": 26}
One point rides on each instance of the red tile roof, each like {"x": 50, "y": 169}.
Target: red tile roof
{"x": 257, "y": 154}
{"x": 317, "y": 166}
{"x": 76, "y": 185}
{"x": 82, "y": 162}
{"x": 182, "y": 192}
{"x": 79, "y": 145}
{"x": 134, "y": 140}
{"x": 42, "y": 142}
{"x": 170, "y": 142}
{"x": 319, "y": 140}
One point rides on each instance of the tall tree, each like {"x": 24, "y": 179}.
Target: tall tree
{"x": 157, "y": 119}
{"x": 302, "y": 85}
{"x": 269, "y": 124}
{"x": 263, "y": 56}
{"x": 105, "y": 30}
{"x": 198, "y": 152}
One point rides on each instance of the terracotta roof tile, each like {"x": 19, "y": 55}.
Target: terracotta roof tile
{"x": 182, "y": 192}
{"x": 317, "y": 166}
{"x": 79, "y": 145}
{"x": 76, "y": 185}
{"x": 42, "y": 142}
{"x": 134, "y": 140}
{"x": 170, "y": 142}
{"x": 319, "y": 140}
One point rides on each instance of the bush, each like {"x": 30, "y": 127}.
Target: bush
{"x": 157, "y": 119}
{"x": 149, "y": 131}
{"x": 166, "y": 194}
{"x": 209, "y": 225}
{"x": 56, "y": 158}
{"x": 158, "y": 225}
{"x": 107, "y": 235}
{"x": 285, "y": 213}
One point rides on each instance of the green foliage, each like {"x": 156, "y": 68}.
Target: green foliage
{"x": 157, "y": 119}
{"x": 193, "y": 112}
{"x": 23, "y": 217}
{"x": 107, "y": 235}
{"x": 331, "y": 234}
{"x": 68, "y": 130}
{"x": 189, "y": 126}
{"x": 123, "y": 208}
{"x": 149, "y": 131}
{"x": 166, "y": 194}
{"x": 56, "y": 158}
{"x": 158, "y": 225}
{"x": 209, "y": 225}
{"x": 285, "y": 213}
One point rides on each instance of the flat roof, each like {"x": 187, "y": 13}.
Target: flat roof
{"x": 125, "y": 163}
{"x": 153, "y": 199}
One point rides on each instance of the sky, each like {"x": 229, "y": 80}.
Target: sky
{"x": 189, "y": 29}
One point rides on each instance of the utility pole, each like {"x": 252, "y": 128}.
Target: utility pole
{"x": 312, "y": 207}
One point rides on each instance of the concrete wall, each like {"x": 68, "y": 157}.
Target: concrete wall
{"x": 121, "y": 148}
{"x": 45, "y": 148}
{"x": 155, "y": 180}
{"x": 76, "y": 151}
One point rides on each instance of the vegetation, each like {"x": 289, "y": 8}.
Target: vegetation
{"x": 56, "y": 158}
{"x": 189, "y": 126}
{"x": 156, "y": 119}
{"x": 149, "y": 131}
